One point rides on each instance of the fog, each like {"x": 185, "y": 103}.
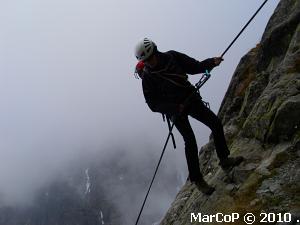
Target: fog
{"x": 66, "y": 78}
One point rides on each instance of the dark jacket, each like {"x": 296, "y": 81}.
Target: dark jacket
{"x": 166, "y": 86}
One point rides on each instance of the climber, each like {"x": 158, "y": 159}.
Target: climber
{"x": 166, "y": 86}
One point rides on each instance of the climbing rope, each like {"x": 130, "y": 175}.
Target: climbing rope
{"x": 239, "y": 34}
{"x": 198, "y": 85}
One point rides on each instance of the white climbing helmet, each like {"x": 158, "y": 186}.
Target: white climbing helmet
{"x": 144, "y": 49}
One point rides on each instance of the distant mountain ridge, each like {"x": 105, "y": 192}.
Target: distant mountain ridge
{"x": 97, "y": 189}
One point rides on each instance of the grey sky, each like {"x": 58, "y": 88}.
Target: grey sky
{"x": 66, "y": 75}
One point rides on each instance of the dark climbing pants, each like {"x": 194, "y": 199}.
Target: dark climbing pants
{"x": 200, "y": 112}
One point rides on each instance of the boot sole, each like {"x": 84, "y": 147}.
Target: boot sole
{"x": 234, "y": 165}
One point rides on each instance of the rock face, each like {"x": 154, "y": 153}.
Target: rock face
{"x": 261, "y": 118}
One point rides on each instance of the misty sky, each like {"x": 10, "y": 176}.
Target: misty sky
{"x": 67, "y": 84}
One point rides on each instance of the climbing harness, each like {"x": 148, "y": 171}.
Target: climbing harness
{"x": 198, "y": 85}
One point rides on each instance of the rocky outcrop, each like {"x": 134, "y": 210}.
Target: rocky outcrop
{"x": 261, "y": 117}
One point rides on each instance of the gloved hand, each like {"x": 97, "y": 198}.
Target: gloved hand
{"x": 218, "y": 60}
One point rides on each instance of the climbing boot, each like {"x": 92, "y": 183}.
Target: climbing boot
{"x": 230, "y": 162}
{"x": 204, "y": 187}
